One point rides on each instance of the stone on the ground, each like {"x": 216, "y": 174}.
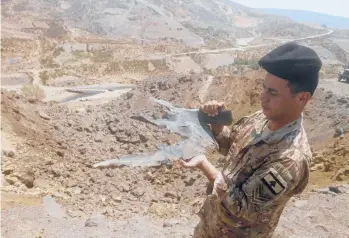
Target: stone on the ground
{"x": 52, "y": 208}
{"x": 94, "y": 220}
{"x": 26, "y": 176}
{"x": 116, "y": 198}
{"x": 300, "y": 203}
{"x": 170, "y": 222}
{"x": 8, "y": 169}
{"x": 334, "y": 189}
{"x": 342, "y": 100}
{"x": 9, "y": 153}
{"x": 60, "y": 153}
{"x": 338, "y": 132}
{"x": 43, "y": 115}
{"x": 151, "y": 67}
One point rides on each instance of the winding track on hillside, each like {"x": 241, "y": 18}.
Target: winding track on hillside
{"x": 249, "y": 47}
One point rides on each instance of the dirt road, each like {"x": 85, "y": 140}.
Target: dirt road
{"x": 250, "y": 47}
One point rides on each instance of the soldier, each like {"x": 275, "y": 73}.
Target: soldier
{"x": 268, "y": 154}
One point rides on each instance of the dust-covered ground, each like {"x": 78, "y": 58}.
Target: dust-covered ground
{"x": 321, "y": 214}
{"x": 61, "y": 142}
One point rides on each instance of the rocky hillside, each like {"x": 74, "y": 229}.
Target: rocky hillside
{"x": 195, "y": 23}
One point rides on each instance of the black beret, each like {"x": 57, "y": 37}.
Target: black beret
{"x": 295, "y": 63}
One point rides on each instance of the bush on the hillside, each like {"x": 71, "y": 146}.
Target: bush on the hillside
{"x": 251, "y": 63}
{"x": 44, "y": 77}
{"x": 33, "y": 92}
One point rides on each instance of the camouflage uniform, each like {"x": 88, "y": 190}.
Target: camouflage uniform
{"x": 262, "y": 172}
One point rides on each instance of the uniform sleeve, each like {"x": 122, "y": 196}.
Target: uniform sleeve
{"x": 224, "y": 140}
{"x": 269, "y": 185}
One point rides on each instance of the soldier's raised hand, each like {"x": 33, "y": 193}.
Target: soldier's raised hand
{"x": 211, "y": 108}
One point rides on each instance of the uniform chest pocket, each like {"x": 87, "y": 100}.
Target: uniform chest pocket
{"x": 255, "y": 158}
{"x": 259, "y": 155}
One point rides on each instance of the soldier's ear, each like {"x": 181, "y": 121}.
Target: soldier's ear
{"x": 303, "y": 97}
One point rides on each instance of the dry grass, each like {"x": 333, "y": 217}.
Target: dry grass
{"x": 33, "y": 92}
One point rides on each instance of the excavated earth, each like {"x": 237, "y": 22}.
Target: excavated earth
{"x": 57, "y": 145}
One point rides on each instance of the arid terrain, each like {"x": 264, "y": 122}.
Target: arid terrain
{"x": 77, "y": 87}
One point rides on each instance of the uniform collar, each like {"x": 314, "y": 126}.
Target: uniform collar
{"x": 273, "y": 136}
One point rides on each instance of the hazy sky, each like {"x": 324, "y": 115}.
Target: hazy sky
{"x": 331, "y": 7}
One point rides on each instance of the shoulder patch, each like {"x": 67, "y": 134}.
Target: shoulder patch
{"x": 273, "y": 183}
{"x": 265, "y": 187}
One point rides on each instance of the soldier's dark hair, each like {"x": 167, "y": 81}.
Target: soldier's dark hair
{"x": 304, "y": 85}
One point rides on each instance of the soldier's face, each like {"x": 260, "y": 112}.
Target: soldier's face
{"x": 277, "y": 101}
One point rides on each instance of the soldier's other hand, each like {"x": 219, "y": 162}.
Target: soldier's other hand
{"x": 211, "y": 108}
{"x": 195, "y": 162}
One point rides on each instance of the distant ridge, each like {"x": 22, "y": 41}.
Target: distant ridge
{"x": 311, "y": 17}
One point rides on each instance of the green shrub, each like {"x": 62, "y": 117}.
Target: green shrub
{"x": 44, "y": 77}
{"x": 251, "y": 63}
{"x": 33, "y": 92}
